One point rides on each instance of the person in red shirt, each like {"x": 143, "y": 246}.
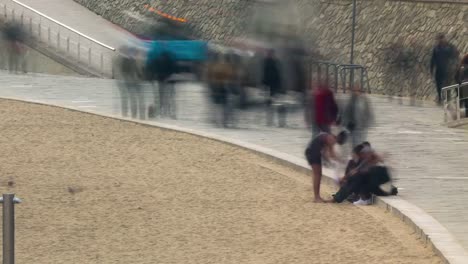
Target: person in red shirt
{"x": 325, "y": 108}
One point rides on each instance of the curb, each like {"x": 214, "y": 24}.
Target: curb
{"x": 429, "y": 230}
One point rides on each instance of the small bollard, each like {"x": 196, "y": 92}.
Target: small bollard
{"x": 8, "y": 201}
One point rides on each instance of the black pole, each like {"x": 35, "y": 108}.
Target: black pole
{"x": 353, "y": 31}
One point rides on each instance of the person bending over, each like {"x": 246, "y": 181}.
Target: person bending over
{"x": 322, "y": 147}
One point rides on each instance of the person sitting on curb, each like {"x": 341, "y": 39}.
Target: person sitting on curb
{"x": 365, "y": 179}
{"x": 353, "y": 163}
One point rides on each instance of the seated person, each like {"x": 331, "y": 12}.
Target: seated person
{"x": 352, "y": 164}
{"x": 365, "y": 179}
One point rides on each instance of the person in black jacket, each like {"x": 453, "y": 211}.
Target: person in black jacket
{"x": 165, "y": 67}
{"x": 443, "y": 56}
{"x": 272, "y": 81}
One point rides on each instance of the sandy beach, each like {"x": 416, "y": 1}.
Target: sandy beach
{"x": 99, "y": 190}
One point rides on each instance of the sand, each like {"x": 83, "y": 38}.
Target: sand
{"x": 98, "y": 190}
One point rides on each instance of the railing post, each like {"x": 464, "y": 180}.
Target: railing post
{"x": 13, "y": 15}
{"x": 79, "y": 51}
{"x": 58, "y": 40}
{"x": 9, "y": 201}
{"x": 30, "y": 25}
{"x": 458, "y": 102}
{"x": 5, "y": 11}
{"x": 22, "y": 19}
{"x": 48, "y": 37}
{"x": 39, "y": 28}
{"x": 89, "y": 56}
{"x": 336, "y": 78}
{"x": 102, "y": 63}
{"x": 327, "y": 72}
{"x": 362, "y": 80}
{"x": 68, "y": 44}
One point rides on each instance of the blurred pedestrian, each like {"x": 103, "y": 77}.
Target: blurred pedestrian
{"x": 15, "y": 39}
{"x": 219, "y": 75}
{"x": 129, "y": 86}
{"x": 272, "y": 81}
{"x": 443, "y": 56}
{"x": 358, "y": 116}
{"x": 325, "y": 108}
{"x": 165, "y": 67}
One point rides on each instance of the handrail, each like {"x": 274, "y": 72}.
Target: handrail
{"x": 63, "y": 25}
{"x": 446, "y": 92}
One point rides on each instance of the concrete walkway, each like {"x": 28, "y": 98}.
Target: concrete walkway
{"x": 427, "y": 157}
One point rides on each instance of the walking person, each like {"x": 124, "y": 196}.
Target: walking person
{"x": 443, "y": 56}
{"x": 321, "y": 147}
{"x": 325, "y": 108}
{"x": 219, "y": 75}
{"x": 272, "y": 81}
{"x": 130, "y": 87}
{"x": 15, "y": 38}
{"x": 358, "y": 117}
{"x": 165, "y": 68}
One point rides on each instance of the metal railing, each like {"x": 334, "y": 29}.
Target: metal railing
{"x": 344, "y": 76}
{"x": 60, "y": 37}
{"x": 453, "y": 96}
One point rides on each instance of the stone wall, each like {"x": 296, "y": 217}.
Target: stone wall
{"x": 327, "y": 24}
{"x": 380, "y": 24}
{"x": 209, "y": 19}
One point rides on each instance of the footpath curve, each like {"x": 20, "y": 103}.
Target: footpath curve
{"x": 431, "y": 232}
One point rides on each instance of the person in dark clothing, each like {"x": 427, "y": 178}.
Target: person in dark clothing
{"x": 365, "y": 178}
{"x": 358, "y": 117}
{"x": 272, "y": 81}
{"x": 322, "y": 147}
{"x": 271, "y": 74}
{"x": 443, "y": 56}
{"x": 15, "y": 38}
{"x": 164, "y": 68}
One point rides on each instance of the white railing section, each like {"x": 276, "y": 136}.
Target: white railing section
{"x": 454, "y": 96}
{"x": 60, "y": 37}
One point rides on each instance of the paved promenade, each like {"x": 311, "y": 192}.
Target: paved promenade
{"x": 427, "y": 158}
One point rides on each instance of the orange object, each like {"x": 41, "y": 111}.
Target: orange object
{"x": 151, "y": 9}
